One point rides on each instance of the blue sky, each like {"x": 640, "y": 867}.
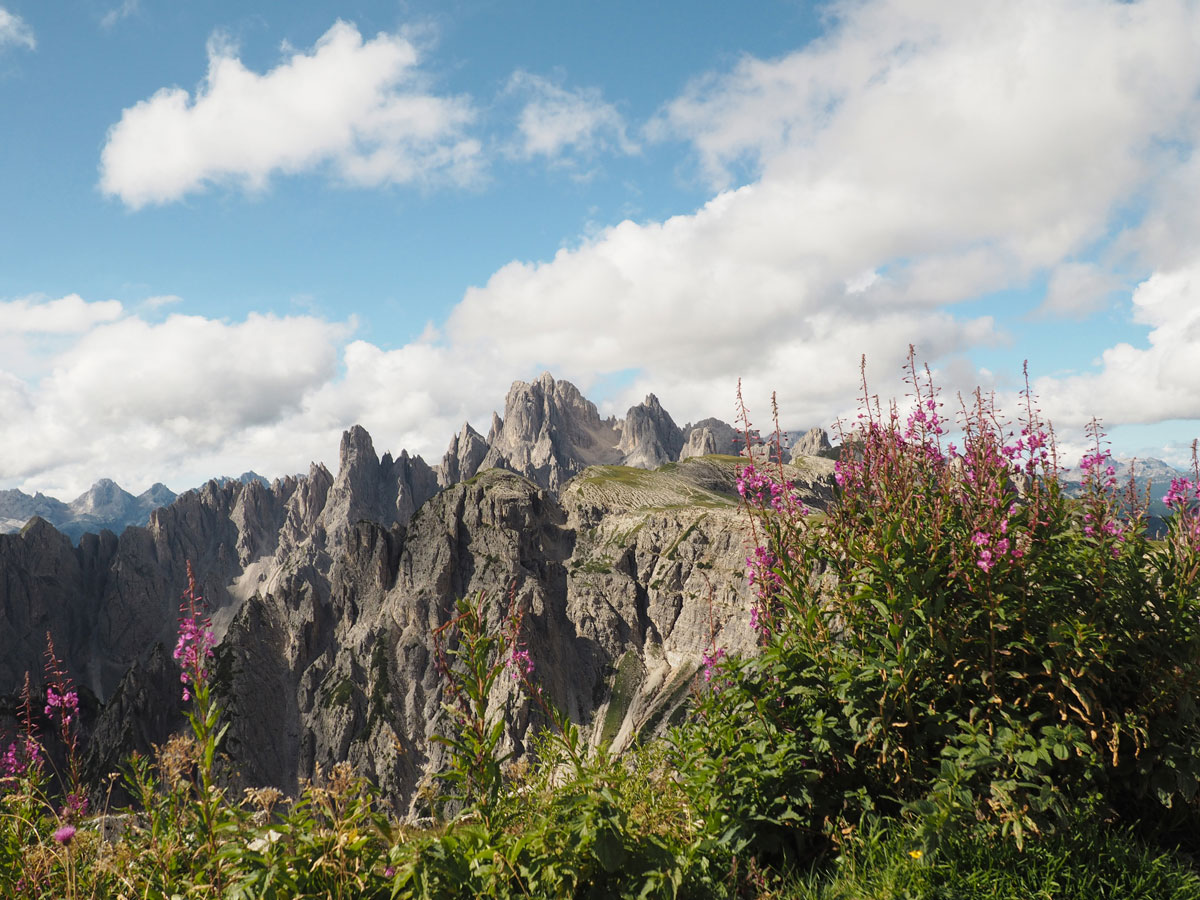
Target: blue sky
{"x": 231, "y": 230}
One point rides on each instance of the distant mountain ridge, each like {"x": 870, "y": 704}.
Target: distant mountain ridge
{"x": 549, "y": 433}
{"x": 1151, "y": 478}
{"x": 105, "y": 505}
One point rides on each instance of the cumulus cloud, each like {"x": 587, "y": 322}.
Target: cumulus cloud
{"x": 556, "y": 121}
{"x": 1142, "y": 384}
{"x": 915, "y": 157}
{"x": 357, "y": 108}
{"x": 66, "y": 315}
{"x": 14, "y": 31}
{"x": 134, "y": 399}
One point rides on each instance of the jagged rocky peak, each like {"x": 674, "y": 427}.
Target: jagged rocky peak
{"x": 649, "y": 436}
{"x": 408, "y": 482}
{"x": 813, "y": 442}
{"x": 550, "y": 432}
{"x": 158, "y": 494}
{"x": 385, "y": 491}
{"x": 17, "y": 508}
{"x": 494, "y": 431}
{"x": 463, "y": 457}
{"x": 104, "y": 499}
{"x": 708, "y": 437}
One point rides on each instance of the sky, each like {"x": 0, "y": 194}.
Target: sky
{"x": 230, "y": 230}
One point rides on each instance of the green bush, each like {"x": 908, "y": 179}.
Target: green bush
{"x": 956, "y": 639}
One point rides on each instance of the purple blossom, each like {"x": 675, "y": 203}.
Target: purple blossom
{"x": 196, "y": 640}
{"x": 65, "y": 834}
{"x": 761, "y": 491}
{"x": 19, "y": 757}
{"x": 761, "y": 574}
{"x": 1098, "y": 469}
{"x": 520, "y": 664}
{"x": 194, "y": 647}
{"x": 75, "y": 806}
{"x": 1181, "y": 493}
{"x": 710, "y": 659}
{"x": 61, "y": 701}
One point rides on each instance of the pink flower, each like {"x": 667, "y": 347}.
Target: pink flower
{"x": 710, "y": 660}
{"x": 65, "y": 834}
{"x": 66, "y": 702}
{"x": 1182, "y": 490}
{"x": 18, "y": 758}
{"x": 520, "y": 664}
{"x": 196, "y": 640}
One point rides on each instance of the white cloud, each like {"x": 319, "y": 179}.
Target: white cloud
{"x": 557, "y": 121}
{"x": 13, "y": 30}
{"x": 66, "y": 315}
{"x": 1078, "y": 289}
{"x": 141, "y": 402}
{"x": 919, "y": 155}
{"x": 117, "y": 13}
{"x": 952, "y": 150}
{"x": 358, "y": 108}
{"x": 1141, "y": 384}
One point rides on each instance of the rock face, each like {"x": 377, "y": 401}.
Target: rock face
{"x": 813, "y": 442}
{"x": 549, "y": 433}
{"x": 325, "y": 592}
{"x": 649, "y": 436}
{"x": 464, "y": 456}
{"x": 708, "y": 437}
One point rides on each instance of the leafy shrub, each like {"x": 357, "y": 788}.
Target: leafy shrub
{"x": 1085, "y": 861}
{"x": 956, "y": 638}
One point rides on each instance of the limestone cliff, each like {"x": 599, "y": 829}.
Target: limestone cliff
{"x": 325, "y": 591}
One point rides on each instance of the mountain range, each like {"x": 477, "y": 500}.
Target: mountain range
{"x": 325, "y": 589}
{"x": 549, "y": 433}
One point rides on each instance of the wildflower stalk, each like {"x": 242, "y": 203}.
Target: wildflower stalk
{"x": 469, "y": 670}
{"x": 193, "y": 651}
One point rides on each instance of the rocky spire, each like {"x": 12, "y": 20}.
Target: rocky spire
{"x": 708, "y": 437}
{"x": 463, "y": 457}
{"x": 549, "y": 433}
{"x": 812, "y": 443}
{"x": 649, "y": 436}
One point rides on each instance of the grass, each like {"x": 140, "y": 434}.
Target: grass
{"x": 1088, "y": 861}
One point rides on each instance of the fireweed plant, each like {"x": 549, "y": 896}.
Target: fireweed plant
{"x": 956, "y": 641}
{"x": 40, "y": 803}
{"x": 194, "y": 652}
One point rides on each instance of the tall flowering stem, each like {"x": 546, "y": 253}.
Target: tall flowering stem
{"x": 194, "y": 653}
{"x": 1178, "y": 561}
{"x": 62, "y": 709}
{"x": 470, "y": 658}
{"x": 776, "y": 515}
{"x": 24, "y": 753}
